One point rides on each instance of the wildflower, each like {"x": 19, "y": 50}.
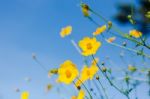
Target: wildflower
{"x": 67, "y": 72}
{"x": 85, "y": 10}
{"x": 25, "y": 95}
{"x": 87, "y": 73}
{"x": 135, "y": 33}
{"x": 81, "y": 95}
{"x": 111, "y": 39}
{"x": 89, "y": 46}
{"x": 65, "y": 31}
{"x": 100, "y": 30}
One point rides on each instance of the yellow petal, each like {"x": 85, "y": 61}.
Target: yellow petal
{"x": 135, "y": 33}
{"x": 25, "y": 95}
{"x": 111, "y": 39}
{"x": 66, "y": 31}
{"x": 100, "y": 30}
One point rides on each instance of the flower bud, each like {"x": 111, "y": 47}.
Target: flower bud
{"x": 132, "y": 68}
{"x": 78, "y": 87}
{"x": 85, "y": 10}
{"x": 97, "y": 77}
{"x": 124, "y": 43}
{"x": 104, "y": 69}
{"x": 109, "y": 24}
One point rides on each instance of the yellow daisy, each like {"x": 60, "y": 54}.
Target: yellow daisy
{"x": 135, "y": 33}
{"x": 111, "y": 39}
{"x": 87, "y": 73}
{"x": 100, "y": 30}
{"x": 89, "y": 46}
{"x": 81, "y": 95}
{"x": 67, "y": 72}
{"x": 25, "y": 95}
{"x": 66, "y": 31}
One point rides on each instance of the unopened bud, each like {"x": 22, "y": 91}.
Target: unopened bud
{"x": 97, "y": 77}
{"x": 124, "y": 43}
{"x": 52, "y": 71}
{"x": 127, "y": 78}
{"x": 85, "y": 10}
{"x": 103, "y": 63}
{"x": 78, "y": 87}
{"x": 109, "y": 24}
{"x": 104, "y": 69}
{"x": 132, "y": 68}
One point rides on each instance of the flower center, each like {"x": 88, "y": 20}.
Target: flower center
{"x": 68, "y": 74}
{"x": 89, "y": 46}
{"x": 88, "y": 72}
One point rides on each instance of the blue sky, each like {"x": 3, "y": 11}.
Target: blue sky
{"x": 28, "y": 26}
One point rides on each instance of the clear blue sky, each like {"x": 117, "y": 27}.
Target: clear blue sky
{"x": 28, "y": 26}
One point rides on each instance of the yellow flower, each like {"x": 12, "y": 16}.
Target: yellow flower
{"x": 85, "y": 10}
{"x": 67, "y": 72}
{"x": 100, "y": 30}
{"x": 66, "y": 31}
{"x": 25, "y": 95}
{"x": 89, "y": 46}
{"x": 135, "y": 33}
{"x": 74, "y": 97}
{"x": 81, "y": 95}
{"x": 111, "y": 39}
{"x": 87, "y": 73}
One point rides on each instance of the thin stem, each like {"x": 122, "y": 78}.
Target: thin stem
{"x": 130, "y": 49}
{"x": 76, "y": 87}
{"x": 40, "y": 64}
{"x": 111, "y": 83}
{"x": 120, "y": 32}
{"x": 86, "y": 89}
{"x": 117, "y": 44}
{"x": 103, "y": 89}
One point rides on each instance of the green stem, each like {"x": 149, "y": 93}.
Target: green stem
{"x": 103, "y": 89}
{"x": 120, "y": 32}
{"x": 86, "y": 89}
{"x": 120, "y": 45}
{"x": 110, "y": 82}
{"x": 130, "y": 49}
